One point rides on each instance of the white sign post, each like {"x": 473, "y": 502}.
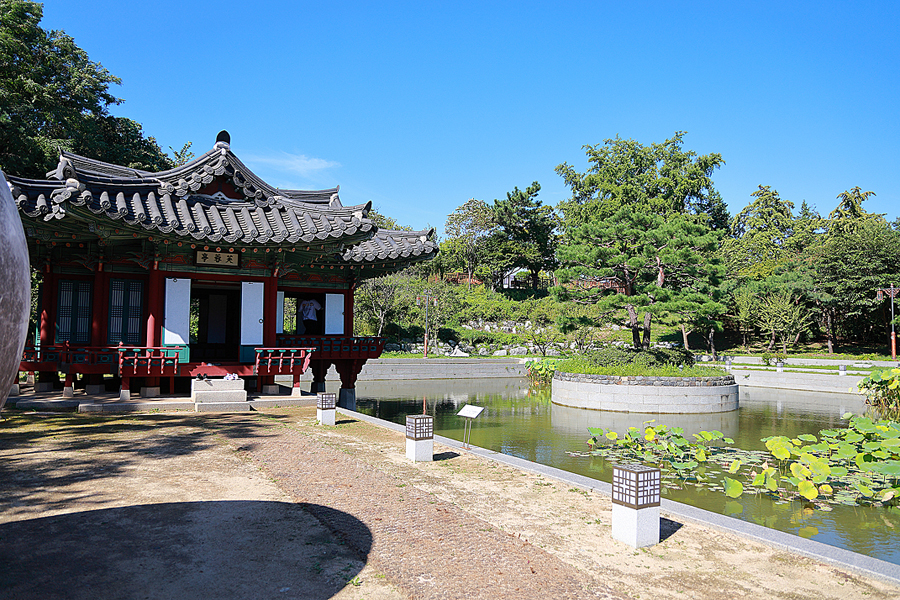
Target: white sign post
{"x": 469, "y": 412}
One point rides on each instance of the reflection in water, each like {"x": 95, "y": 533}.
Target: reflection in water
{"x": 569, "y": 419}
{"x": 523, "y": 423}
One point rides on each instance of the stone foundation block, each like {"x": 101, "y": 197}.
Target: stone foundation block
{"x": 636, "y": 527}
{"x": 150, "y": 392}
{"x": 222, "y": 406}
{"x": 222, "y": 396}
{"x": 271, "y": 390}
{"x": 420, "y": 450}
{"x": 92, "y": 389}
{"x": 218, "y": 390}
{"x": 325, "y": 416}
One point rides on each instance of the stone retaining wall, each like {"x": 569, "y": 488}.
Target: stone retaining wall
{"x": 432, "y": 368}
{"x": 646, "y": 394}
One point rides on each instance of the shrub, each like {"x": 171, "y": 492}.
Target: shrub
{"x": 580, "y": 365}
{"x": 541, "y": 371}
{"x": 882, "y": 390}
{"x": 626, "y": 355}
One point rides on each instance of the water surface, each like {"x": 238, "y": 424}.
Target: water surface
{"x": 524, "y": 423}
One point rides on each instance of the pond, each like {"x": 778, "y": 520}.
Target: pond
{"x": 524, "y": 423}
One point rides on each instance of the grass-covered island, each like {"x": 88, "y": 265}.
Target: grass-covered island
{"x": 625, "y": 361}
{"x": 658, "y": 380}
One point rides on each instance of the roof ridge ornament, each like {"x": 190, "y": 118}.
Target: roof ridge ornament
{"x": 223, "y": 141}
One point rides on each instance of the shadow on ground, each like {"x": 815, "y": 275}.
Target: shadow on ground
{"x": 222, "y": 550}
{"x": 89, "y": 440}
{"x": 667, "y": 528}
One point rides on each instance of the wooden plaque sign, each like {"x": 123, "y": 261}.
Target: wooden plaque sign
{"x": 217, "y": 259}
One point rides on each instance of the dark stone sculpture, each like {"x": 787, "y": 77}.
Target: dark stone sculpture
{"x": 15, "y": 289}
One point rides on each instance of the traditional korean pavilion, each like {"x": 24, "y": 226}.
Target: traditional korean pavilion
{"x": 201, "y": 270}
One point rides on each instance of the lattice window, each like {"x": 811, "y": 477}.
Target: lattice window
{"x": 125, "y": 311}
{"x": 73, "y": 320}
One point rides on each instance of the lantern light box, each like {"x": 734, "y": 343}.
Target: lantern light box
{"x": 635, "y": 511}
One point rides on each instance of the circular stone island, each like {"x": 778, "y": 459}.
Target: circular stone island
{"x": 646, "y": 394}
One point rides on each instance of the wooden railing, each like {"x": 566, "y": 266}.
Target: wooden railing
{"x": 71, "y": 359}
{"x": 146, "y": 361}
{"x": 334, "y": 347}
{"x": 282, "y": 361}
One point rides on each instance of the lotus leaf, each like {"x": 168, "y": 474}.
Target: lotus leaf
{"x": 864, "y": 490}
{"x": 807, "y": 489}
{"x": 733, "y": 488}
{"x": 799, "y": 470}
{"x": 781, "y": 453}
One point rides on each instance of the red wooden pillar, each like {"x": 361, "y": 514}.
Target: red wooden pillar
{"x": 270, "y": 315}
{"x": 47, "y": 379}
{"x": 154, "y": 307}
{"x": 154, "y": 321}
{"x": 98, "y": 311}
{"x": 270, "y": 311}
{"x": 99, "y": 318}
{"x": 48, "y": 313}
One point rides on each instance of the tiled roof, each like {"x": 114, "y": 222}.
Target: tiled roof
{"x": 191, "y": 177}
{"x": 176, "y": 203}
{"x": 200, "y": 217}
{"x": 388, "y": 244}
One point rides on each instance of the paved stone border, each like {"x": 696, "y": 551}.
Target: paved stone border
{"x": 846, "y": 559}
{"x": 645, "y": 394}
{"x": 810, "y": 382}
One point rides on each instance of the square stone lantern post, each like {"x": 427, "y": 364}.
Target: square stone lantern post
{"x": 635, "y": 511}
{"x": 420, "y": 438}
{"x": 325, "y": 407}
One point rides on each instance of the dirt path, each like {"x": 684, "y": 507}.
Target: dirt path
{"x": 271, "y": 505}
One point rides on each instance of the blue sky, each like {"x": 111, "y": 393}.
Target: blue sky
{"x": 419, "y": 106}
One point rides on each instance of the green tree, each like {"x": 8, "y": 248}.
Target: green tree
{"x": 784, "y": 317}
{"x": 662, "y": 178}
{"x": 664, "y": 264}
{"x": 849, "y": 212}
{"x": 759, "y": 236}
{"x": 53, "y": 96}
{"x": 498, "y": 257}
{"x": 744, "y": 308}
{"x": 531, "y": 226}
{"x": 377, "y": 301}
{"x": 466, "y": 228}
{"x": 541, "y": 326}
{"x": 385, "y": 222}
{"x": 581, "y": 323}
{"x": 850, "y": 265}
